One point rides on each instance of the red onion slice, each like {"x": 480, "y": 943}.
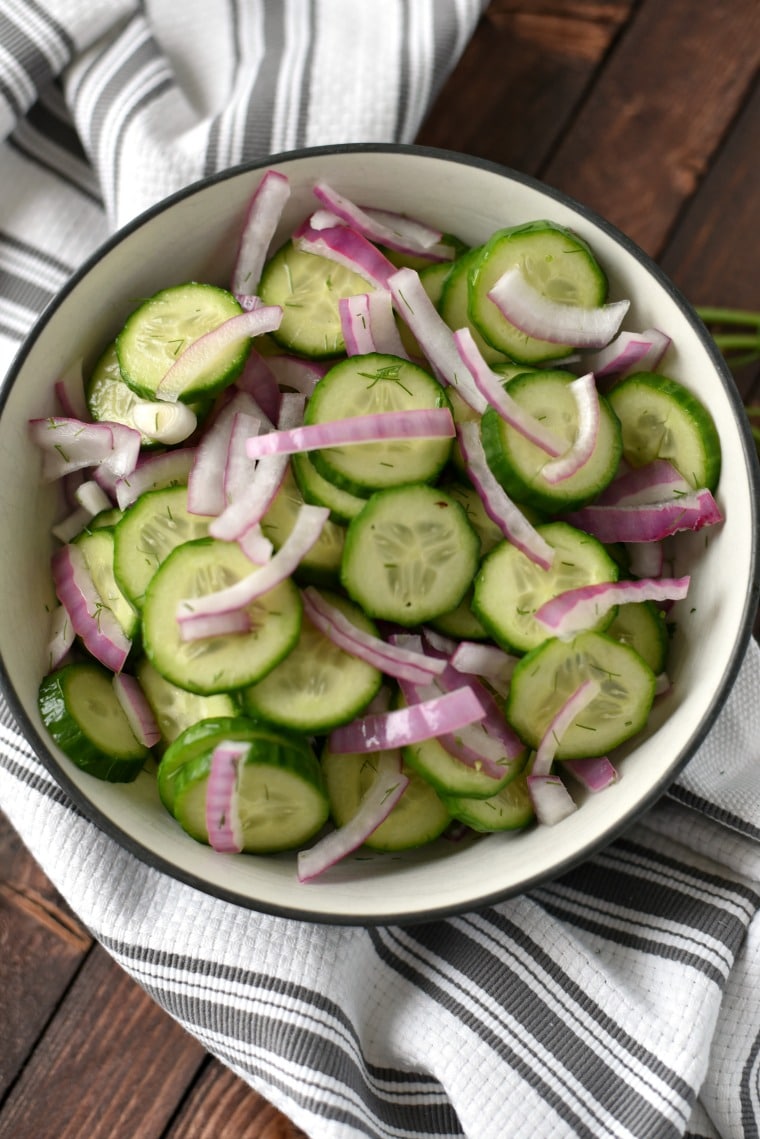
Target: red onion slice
{"x": 397, "y": 232}
{"x": 168, "y": 468}
{"x": 71, "y": 525}
{"x": 69, "y": 390}
{"x": 60, "y": 637}
{"x": 496, "y": 502}
{"x": 555, "y": 321}
{"x": 574, "y": 610}
{"x": 587, "y": 403}
{"x": 586, "y": 691}
{"x": 551, "y": 800}
{"x": 390, "y": 659}
{"x": 412, "y": 229}
{"x": 645, "y": 559}
{"x": 660, "y": 342}
{"x": 222, "y": 811}
{"x": 92, "y": 620}
{"x": 418, "y": 423}
{"x": 72, "y": 444}
{"x": 433, "y": 335}
{"x": 255, "y": 545}
{"x": 137, "y": 709}
{"x": 162, "y": 422}
{"x": 649, "y": 522}
{"x": 200, "y": 356}
{"x": 368, "y": 324}
{"x": 205, "y": 483}
{"x": 654, "y": 482}
{"x": 192, "y": 613}
{"x": 346, "y": 247}
{"x": 487, "y": 661}
{"x": 259, "y": 227}
{"x": 627, "y": 350}
{"x": 252, "y": 501}
{"x": 595, "y": 774}
{"x": 260, "y": 381}
{"x": 403, "y": 726}
{"x": 376, "y": 804}
{"x": 295, "y": 373}
{"x": 491, "y": 387}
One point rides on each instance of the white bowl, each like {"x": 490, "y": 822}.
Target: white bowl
{"x": 193, "y": 235}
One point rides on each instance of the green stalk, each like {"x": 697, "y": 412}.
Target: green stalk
{"x": 714, "y": 315}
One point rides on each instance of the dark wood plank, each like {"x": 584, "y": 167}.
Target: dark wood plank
{"x": 221, "y": 1106}
{"x": 641, "y": 144}
{"x": 522, "y": 77}
{"x": 40, "y": 939}
{"x": 112, "y": 1065}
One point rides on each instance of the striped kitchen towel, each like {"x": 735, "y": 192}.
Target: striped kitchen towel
{"x": 619, "y": 1001}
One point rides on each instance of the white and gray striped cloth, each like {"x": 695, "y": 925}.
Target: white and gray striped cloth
{"x": 620, "y": 1001}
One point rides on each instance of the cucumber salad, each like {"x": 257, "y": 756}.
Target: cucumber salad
{"x": 372, "y": 544}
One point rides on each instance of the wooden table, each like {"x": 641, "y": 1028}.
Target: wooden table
{"x": 649, "y": 112}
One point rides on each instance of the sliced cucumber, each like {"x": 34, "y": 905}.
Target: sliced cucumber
{"x": 508, "y": 810}
{"x": 366, "y": 385}
{"x": 417, "y": 818}
{"x": 319, "y": 491}
{"x": 321, "y": 564}
{"x": 517, "y": 463}
{"x": 661, "y": 419}
{"x": 510, "y": 587}
{"x": 110, "y": 399}
{"x": 199, "y": 739}
{"x": 281, "y": 799}
{"x": 150, "y": 529}
{"x": 165, "y": 325}
{"x": 450, "y": 777}
{"x": 546, "y": 677}
{"x": 176, "y": 709}
{"x": 556, "y": 262}
{"x": 98, "y": 548}
{"x": 318, "y": 685}
{"x": 308, "y": 288}
{"x": 410, "y": 555}
{"x": 643, "y": 626}
{"x": 222, "y": 663}
{"x": 80, "y": 709}
{"x": 454, "y": 305}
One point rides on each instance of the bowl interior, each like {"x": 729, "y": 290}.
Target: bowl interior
{"x": 195, "y": 237}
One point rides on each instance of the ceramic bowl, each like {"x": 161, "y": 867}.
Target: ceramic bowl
{"x": 192, "y": 235}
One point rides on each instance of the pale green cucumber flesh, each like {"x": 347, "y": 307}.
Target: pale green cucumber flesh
{"x": 80, "y": 709}
{"x": 318, "y": 685}
{"x": 508, "y": 809}
{"x": 510, "y": 587}
{"x": 410, "y": 555}
{"x": 417, "y": 818}
{"x": 369, "y": 385}
{"x": 546, "y": 677}
{"x": 220, "y": 663}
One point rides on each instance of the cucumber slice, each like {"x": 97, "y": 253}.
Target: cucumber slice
{"x": 517, "y": 463}
{"x": 419, "y": 816}
{"x": 321, "y": 565}
{"x": 110, "y": 399}
{"x": 280, "y": 794}
{"x": 544, "y": 679}
{"x": 366, "y": 385}
{"x": 661, "y": 419}
{"x": 98, "y": 548}
{"x": 410, "y": 555}
{"x": 461, "y": 624}
{"x": 81, "y": 711}
{"x": 199, "y": 739}
{"x": 643, "y": 626}
{"x": 176, "y": 709}
{"x": 318, "y": 685}
{"x": 450, "y": 777}
{"x": 150, "y": 529}
{"x": 165, "y": 325}
{"x": 215, "y": 664}
{"x": 454, "y": 305}
{"x": 510, "y": 587}
{"x": 555, "y": 261}
{"x": 319, "y": 491}
{"x": 308, "y": 288}
{"x": 508, "y": 810}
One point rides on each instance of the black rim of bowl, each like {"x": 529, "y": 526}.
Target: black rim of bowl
{"x": 655, "y": 792}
